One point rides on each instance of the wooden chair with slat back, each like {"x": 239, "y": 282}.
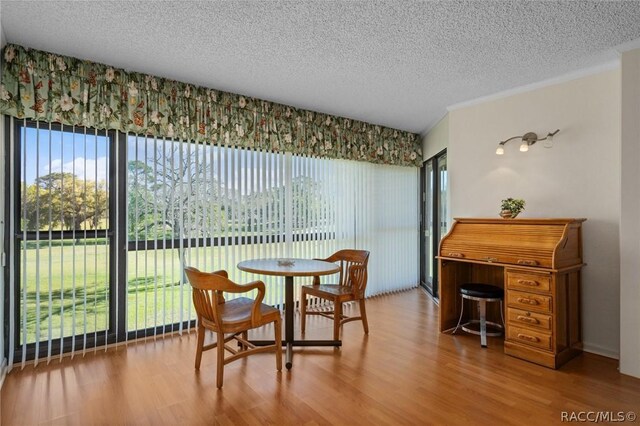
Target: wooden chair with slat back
{"x": 232, "y": 318}
{"x": 351, "y": 286}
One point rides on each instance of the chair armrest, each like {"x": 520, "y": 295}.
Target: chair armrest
{"x": 256, "y": 315}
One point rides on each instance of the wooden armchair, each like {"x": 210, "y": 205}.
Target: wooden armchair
{"x": 234, "y": 317}
{"x": 351, "y": 286}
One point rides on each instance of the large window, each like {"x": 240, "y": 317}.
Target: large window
{"x": 102, "y": 225}
{"x": 61, "y": 249}
{"x": 211, "y": 207}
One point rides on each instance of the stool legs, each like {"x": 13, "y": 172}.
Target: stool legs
{"x": 482, "y": 310}
{"x": 459, "y": 319}
{"x": 482, "y": 321}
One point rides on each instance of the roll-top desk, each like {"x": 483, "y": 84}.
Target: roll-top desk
{"x": 537, "y": 262}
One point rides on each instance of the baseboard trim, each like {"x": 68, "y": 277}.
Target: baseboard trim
{"x": 600, "y": 350}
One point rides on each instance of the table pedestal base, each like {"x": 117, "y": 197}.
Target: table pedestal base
{"x": 290, "y": 345}
{"x": 301, "y": 267}
{"x": 289, "y": 341}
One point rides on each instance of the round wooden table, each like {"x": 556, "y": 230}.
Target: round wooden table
{"x": 290, "y": 268}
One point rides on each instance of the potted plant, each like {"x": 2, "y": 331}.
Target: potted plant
{"x": 511, "y": 207}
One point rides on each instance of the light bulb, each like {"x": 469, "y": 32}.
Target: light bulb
{"x": 548, "y": 143}
{"x": 524, "y": 147}
{"x": 500, "y": 150}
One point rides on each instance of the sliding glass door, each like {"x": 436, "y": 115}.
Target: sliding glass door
{"x": 433, "y": 219}
{"x": 61, "y": 238}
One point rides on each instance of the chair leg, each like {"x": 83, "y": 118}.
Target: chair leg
{"x": 220, "y": 366}
{"x": 303, "y": 312}
{"x": 363, "y": 314}
{"x": 245, "y": 336}
{"x": 200, "y": 345}
{"x": 278, "y": 340}
{"x": 337, "y": 318}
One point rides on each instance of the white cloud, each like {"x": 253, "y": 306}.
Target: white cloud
{"x": 85, "y": 169}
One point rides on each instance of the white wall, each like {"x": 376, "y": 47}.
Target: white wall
{"x": 437, "y": 139}
{"x": 578, "y": 177}
{"x": 630, "y": 216}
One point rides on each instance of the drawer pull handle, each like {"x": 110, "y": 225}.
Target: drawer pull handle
{"x": 527, "y": 301}
{"x": 456, "y": 255}
{"x": 527, "y": 262}
{"x": 528, "y": 319}
{"x": 491, "y": 259}
{"x": 530, "y": 283}
{"x": 527, "y": 337}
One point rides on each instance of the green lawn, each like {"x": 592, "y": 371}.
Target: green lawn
{"x": 50, "y": 276}
{"x": 154, "y": 294}
{"x": 65, "y": 276}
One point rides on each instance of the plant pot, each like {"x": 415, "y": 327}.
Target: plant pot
{"x": 508, "y": 214}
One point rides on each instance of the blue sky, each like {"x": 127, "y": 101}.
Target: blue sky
{"x": 53, "y": 151}
{"x": 87, "y": 156}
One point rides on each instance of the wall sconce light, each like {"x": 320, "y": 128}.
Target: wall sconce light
{"x": 528, "y": 139}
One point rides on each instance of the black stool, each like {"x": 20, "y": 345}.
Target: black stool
{"x": 482, "y": 293}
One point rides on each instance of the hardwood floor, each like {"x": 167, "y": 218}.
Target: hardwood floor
{"x": 403, "y": 372}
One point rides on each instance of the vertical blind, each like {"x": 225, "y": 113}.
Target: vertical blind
{"x": 3, "y": 333}
{"x": 104, "y": 225}
{"x": 59, "y": 258}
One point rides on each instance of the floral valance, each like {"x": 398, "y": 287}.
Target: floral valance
{"x": 53, "y": 88}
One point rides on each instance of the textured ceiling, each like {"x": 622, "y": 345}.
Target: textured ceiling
{"x": 398, "y": 64}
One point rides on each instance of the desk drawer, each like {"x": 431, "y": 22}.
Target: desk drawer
{"x": 491, "y": 254}
{"x": 529, "y": 337}
{"x": 529, "y": 301}
{"x": 528, "y": 281}
{"x": 529, "y": 319}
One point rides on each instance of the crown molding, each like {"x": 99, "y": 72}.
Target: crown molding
{"x": 574, "y": 75}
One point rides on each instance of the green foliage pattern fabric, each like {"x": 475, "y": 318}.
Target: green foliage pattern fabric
{"x": 52, "y": 88}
